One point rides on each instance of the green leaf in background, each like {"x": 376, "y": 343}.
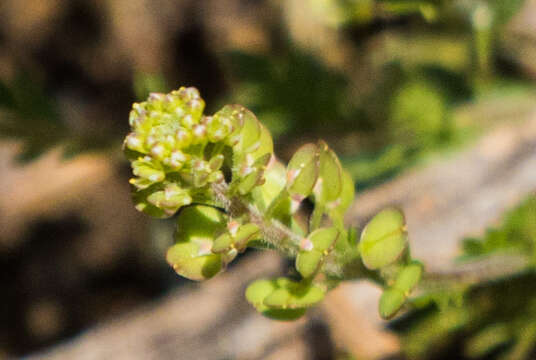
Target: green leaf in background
{"x": 383, "y": 239}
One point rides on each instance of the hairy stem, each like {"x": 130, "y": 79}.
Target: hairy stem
{"x": 274, "y": 232}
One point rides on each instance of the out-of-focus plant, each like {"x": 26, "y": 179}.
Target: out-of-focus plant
{"x": 489, "y": 310}
{"x": 219, "y": 173}
{"x": 291, "y": 93}
{"x": 32, "y": 116}
{"x": 28, "y": 114}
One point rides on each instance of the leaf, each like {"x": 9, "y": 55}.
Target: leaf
{"x": 346, "y": 197}
{"x": 320, "y": 241}
{"x": 383, "y": 239}
{"x": 250, "y": 133}
{"x": 329, "y": 184}
{"x": 282, "y": 293}
{"x": 408, "y": 277}
{"x": 307, "y": 262}
{"x": 184, "y": 259}
{"x": 302, "y": 171}
{"x": 199, "y": 224}
{"x": 324, "y": 238}
{"x": 391, "y": 302}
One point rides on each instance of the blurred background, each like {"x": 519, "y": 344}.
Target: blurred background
{"x": 429, "y": 103}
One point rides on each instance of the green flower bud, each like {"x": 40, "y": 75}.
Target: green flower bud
{"x": 384, "y": 239}
{"x": 183, "y": 138}
{"x": 170, "y": 199}
{"x": 218, "y": 127}
{"x": 135, "y": 141}
{"x": 148, "y": 170}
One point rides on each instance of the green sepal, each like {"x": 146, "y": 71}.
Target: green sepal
{"x": 383, "y": 239}
{"x": 391, "y": 302}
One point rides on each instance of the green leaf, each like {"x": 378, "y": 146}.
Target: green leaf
{"x": 282, "y": 293}
{"x": 383, "y": 239}
{"x": 184, "y": 259}
{"x": 250, "y": 134}
{"x": 302, "y": 171}
{"x": 307, "y": 262}
{"x": 250, "y": 176}
{"x": 258, "y": 290}
{"x": 222, "y": 244}
{"x": 329, "y": 184}
{"x": 391, "y": 302}
{"x": 346, "y": 197}
{"x": 246, "y": 233}
{"x": 266, "y": 145}
{"x": 324, "y": 238}
{"x": 408, "y": 277}
{"x": 199, "y": 224}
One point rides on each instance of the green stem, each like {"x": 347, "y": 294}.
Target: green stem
{"x": 274, "y": 232}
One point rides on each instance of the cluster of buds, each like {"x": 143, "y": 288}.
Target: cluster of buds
{"x": 177, "y": 152}
{"x": 234, "y": 194}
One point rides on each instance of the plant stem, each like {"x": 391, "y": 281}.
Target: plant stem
{"x": 274, "y": 232}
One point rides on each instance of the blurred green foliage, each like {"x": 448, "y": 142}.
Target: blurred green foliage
{"x": 291, "y": 92}
{"x": 492, "y": 319}
{"x": 28, "y": 114}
